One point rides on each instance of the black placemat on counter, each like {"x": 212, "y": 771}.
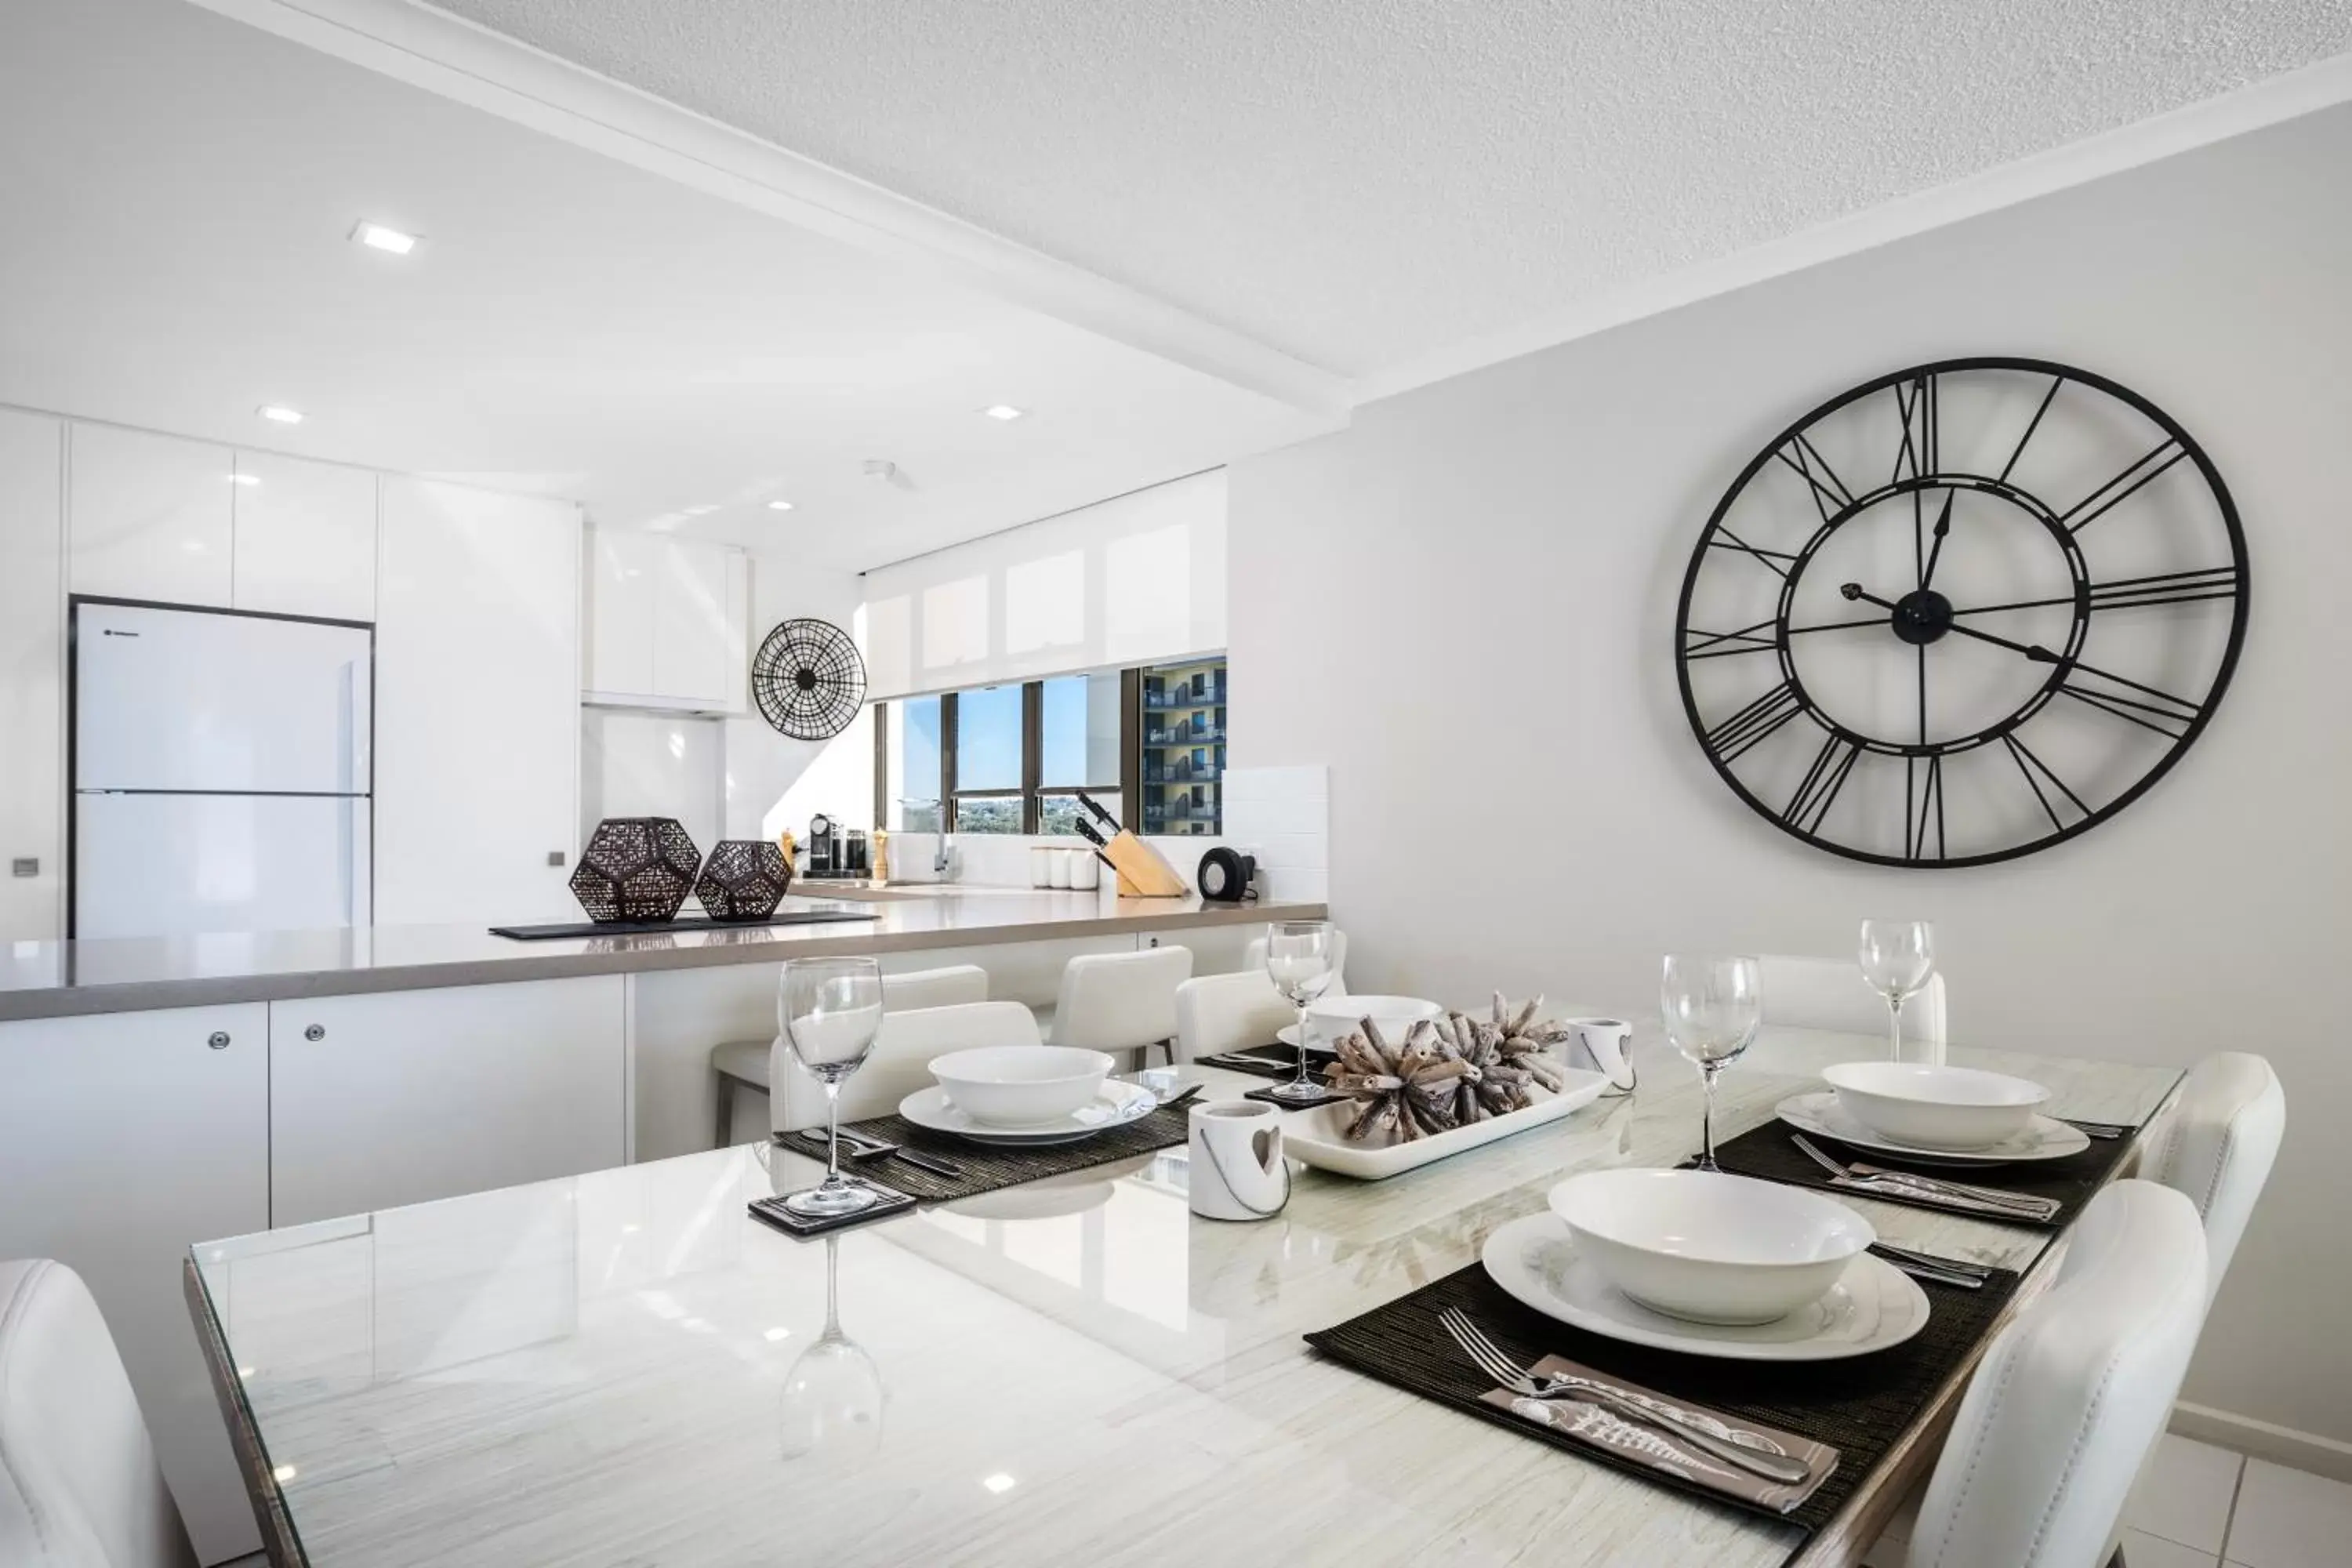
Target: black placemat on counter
{"x": 683, "y": 923}
{"x": 987, "y": 1167}
{"x": 1767, "y": 1151}
{"x": 1861, "y": 1406}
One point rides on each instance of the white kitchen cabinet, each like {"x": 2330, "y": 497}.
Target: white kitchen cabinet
{"x": 32, "y": 676}
{"x": 411, "y": 1096}
{"x": 305, "y": 538}
{"x": 624, "y": 574}
{"x": 123, "y": 1140}
{"x": 476, "y": 714}
{"x": 666, "y": 623}
{"x": 152, "y": 516}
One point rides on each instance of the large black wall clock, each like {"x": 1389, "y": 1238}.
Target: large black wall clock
{"x": 1962, "y": 613}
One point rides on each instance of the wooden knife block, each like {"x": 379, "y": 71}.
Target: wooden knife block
{"x": 1143, "y": 873}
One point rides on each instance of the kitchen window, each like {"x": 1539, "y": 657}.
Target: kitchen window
{"x": 1147, "y": 744}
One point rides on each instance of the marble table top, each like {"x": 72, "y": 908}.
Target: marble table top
{"x": 624, "y": 1368}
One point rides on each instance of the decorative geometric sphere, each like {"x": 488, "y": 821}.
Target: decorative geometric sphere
{"x": 808, "y": 679}
{"x": 636, "y": 869}
{"x": 743, "y": 880}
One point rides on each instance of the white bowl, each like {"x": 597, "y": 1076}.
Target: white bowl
{"x": 1710, "y": 1248}
{"x": 1021, "y": 1086}
{"x": 1935, "y": 1107}
{"x": 1332, "y": 1016}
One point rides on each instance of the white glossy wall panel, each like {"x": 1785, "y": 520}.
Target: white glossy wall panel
{"x": 624, "y": 578}
{"x": 123, "y": 1140}
{"x": 478, "y": 691}
{"x": 152, "y": 516}
{"x": 693, "y": 623}
{"x": 305, "y": 541}
{"x": 32, "y": 674}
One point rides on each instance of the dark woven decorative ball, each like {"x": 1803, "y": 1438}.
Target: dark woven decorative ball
{"x": 744, "y": 879}
{"x": 636, "y": 869}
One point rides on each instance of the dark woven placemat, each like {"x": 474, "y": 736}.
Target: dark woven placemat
{"x": 1861, "y": 1406}
{"x": 1276, "y": 1061}
{"x": 1766, "y": 1152}
{"x": 987, "y": 1167}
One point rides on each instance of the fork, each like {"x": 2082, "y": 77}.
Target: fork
{"x": 1490, "y": 1360}
{"x": 1870, "y": 1178}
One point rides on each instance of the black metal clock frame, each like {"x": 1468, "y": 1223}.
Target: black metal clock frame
{"x": 1922, "y": 617}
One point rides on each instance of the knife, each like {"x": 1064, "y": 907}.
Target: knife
{"x": 1091, "y": 803}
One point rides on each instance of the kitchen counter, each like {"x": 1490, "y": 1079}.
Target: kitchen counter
{"x": 63, "y": 979}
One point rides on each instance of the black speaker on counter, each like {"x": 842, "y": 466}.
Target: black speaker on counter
{"x": 1227, "y": 877}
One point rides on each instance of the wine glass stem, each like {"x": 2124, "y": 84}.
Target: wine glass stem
{"x": 1895, "y": 1028}
{"x": 1301, "y": 1080}
{"x": 832, "y": 1133}
{"x": 1706, "y": 1118}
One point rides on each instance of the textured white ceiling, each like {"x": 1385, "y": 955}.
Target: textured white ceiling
{"x": 175, "y": 194}
{"x": 1366, "y": 184}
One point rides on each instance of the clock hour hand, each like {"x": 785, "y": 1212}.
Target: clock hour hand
{"x": 1942, "y": 527}
{"x": 2033, "y": 651}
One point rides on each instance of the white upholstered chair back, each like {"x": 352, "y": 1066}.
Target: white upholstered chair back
{"x": 2217, "y": 1147}
{"x": 1228, "y": 1013}
{"x": 78, "y": 1486}
{"x": 948, "y": 987}
{"x": 2070, "y": 1396}
{"x": 1254, "y": 960}
{"x": 1830, "y": 993}
{"x": 1120, "y": 1000}
{"x": 899, "y": 1063}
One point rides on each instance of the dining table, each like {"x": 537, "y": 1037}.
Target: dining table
{"x": 626, "y": 1367}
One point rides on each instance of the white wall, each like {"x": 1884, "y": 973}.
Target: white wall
{"x": 772, "y": 781}
{"x": 636, "y": 764}
{"x": 1132, "y": 580}
{"x": 1477, "y": 583}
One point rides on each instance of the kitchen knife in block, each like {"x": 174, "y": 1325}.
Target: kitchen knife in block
{"x": 1142, "y": 873}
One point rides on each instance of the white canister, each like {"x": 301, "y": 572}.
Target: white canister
{"x": 1058, "y": 867}
{"x": 1041, "y": 866}
{"x": 1237, "y": 1170}
{"x": 1086, "y": 871}
{"x": 1604, "y": 1046}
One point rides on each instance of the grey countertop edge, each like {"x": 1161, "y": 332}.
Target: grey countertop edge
{"x": 294, "y": 985}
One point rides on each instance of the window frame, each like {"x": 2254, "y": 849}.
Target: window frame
{"x": 1032, "y": 789}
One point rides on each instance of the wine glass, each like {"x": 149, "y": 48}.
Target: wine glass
{"x": 1298, "y": 962}
{"x": 833, "y": 1398}
{"x": 1713, "y": 1007}
{"x": 1898, "y": 957}
{"x": 831, "y": 1009}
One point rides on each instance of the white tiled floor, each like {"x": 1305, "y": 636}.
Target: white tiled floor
{"x": 2197, "y": 1506}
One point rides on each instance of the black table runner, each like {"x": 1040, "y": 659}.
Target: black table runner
{"x": 1767, "y": 1151}
{"x": 1861, "y": 1406}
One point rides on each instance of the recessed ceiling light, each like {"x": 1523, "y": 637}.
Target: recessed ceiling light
{"x": 780, "y": 506}
{"x": 999, "y": 1483}
{"x": 772, "y": 1335}
{"x": 243, "y": 479}
{"x": 375, "y": 236}
{"x": 278, "y": 413}
{"x": 1003, "y": 411}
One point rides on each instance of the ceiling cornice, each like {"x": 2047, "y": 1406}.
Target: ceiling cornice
{"x": 2266, "y": 103}
{"x": 459, "y": 60}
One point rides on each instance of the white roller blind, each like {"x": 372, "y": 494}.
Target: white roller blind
{"x": 1139, "y": 578}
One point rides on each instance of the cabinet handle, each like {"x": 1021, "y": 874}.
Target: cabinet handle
{"x": 315, "y": 1032}
{"x": 219, "y": 1040}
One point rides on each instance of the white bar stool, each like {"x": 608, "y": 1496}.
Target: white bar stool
{"x": 899, "y": 1063}
{"x": 745, "y": 1064}
{"x": 1217, "y": 1013}
{"x": 1121, "y": 1001}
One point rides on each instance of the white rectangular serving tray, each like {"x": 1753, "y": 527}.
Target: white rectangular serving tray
{"x": 1315, "y": 1136}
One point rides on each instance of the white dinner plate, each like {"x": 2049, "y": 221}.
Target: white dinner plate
{"x": 1115, "y": 1105}
{"x": 1873, "y": 1306}
{"x": 2044, "y": 1138}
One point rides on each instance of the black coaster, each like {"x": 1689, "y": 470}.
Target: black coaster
{"x": 773, "y": 1212}
{"x": 1279, "y": 1103}
{"x": 1766, "y": 1152}
{"x": 1863, "y": 1407}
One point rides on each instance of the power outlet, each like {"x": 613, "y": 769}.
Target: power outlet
{"x": 24, "y": 866}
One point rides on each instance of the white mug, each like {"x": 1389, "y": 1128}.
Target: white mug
{"x": 1236, "y": 1163}
{"x": 1603, "y": 1045}
{"x": 1041, "y": 866}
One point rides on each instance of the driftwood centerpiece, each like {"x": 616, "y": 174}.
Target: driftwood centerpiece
{"x": 1447, "y": 1072}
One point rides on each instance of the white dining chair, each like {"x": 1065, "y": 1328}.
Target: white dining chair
{"x": 1254, "y": 960}
{"x": 2071, "y": 1396}
{"x": 2216, "y": 1147}
{"x": 1828, "y": 994}
{"x": 899, "y": 1063}
{"x": 1119, "y": 1002}
{"x": 79, "y": 1485}
{"x": 1218, "y": 1013}
{"x": 744, "y": 1064}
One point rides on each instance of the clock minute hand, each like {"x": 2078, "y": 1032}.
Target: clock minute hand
{"x": 1942, "y": 527}
{"x": 2033, "y": 651}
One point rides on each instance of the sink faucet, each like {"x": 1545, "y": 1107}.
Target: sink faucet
{"x": 943, "y": 857}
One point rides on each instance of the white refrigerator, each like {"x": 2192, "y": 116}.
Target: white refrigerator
{"x": 221, "y": 771}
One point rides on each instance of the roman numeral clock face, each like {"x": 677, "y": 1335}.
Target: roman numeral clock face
{"x": 1961, "y": 613}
